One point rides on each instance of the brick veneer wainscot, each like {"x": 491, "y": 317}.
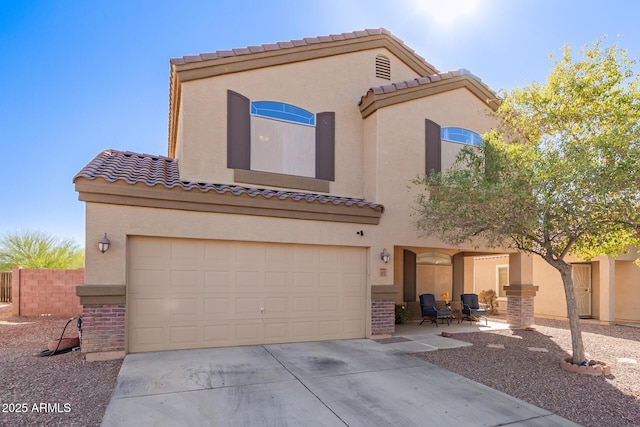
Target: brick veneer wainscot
{"x": 103, "y": 328}
{"x": 520, "y": 311}
{"x": 383, "y": 317}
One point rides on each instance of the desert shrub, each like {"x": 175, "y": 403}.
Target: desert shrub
{"x": 490, "y": 298}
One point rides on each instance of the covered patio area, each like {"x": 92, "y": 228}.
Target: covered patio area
{"x": 420, "y": 270}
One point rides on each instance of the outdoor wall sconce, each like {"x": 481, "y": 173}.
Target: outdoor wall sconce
{"x": 103, "y": 244}
{"x": 384, "y": 256}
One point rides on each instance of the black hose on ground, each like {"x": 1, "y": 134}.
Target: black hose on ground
{"x": 48, "y": 352}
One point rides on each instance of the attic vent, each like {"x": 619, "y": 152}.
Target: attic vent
{"x": 383, "y": 67}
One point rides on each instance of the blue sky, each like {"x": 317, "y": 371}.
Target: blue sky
{"x": 79, "y": 77}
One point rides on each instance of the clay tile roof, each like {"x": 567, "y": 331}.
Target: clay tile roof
{"x": 423, "y": 81}
{"x": 133, "y": 168}
{"x": 293, "y": 43}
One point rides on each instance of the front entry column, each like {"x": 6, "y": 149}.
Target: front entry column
{"x": 607, "y": 289}
{"x": 463, "y": 270}
{"x": 520, "y": 291}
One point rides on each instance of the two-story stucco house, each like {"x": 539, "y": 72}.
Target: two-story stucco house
{"x": 282, "y": 211}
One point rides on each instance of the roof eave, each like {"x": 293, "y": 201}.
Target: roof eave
{"x": 140, "y": 194}
{"x": 373, "y": 101}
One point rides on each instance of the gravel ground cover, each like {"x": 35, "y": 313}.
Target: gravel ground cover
{"x": 61, "y": 390}
{"x": 526, "y": 364}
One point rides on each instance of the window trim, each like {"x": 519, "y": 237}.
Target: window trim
{"x": 272, "y": 179}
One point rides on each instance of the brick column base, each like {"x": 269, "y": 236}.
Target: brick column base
{"x": 103, "y": 332}
{"x": 383, "y": 317}
{"x": 520, "y": 305}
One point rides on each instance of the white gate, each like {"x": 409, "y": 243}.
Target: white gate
{"x": 581, "y": 274}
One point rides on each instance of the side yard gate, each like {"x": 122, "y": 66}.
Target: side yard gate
{"x": 5, "y": 286}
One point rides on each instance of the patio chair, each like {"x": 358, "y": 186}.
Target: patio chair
{"x": 471, "y": 310}
{"x": 430, "y": 311}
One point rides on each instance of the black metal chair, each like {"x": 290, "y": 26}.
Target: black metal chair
{"x": 471, "y": 310}
{"x": 430, "y": 311}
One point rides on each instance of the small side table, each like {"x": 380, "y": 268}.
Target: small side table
{"x": 457, "y": 313}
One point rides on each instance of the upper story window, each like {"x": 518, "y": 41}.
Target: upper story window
{"x": 462, "y": 136}
{"x": 280, "y": 138}
{"x": 383, "y": 67}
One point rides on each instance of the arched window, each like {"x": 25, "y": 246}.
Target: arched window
{"x": 433, "y": 258}
{"x": 282, "y": 111}
{"x": 459, "y": 135}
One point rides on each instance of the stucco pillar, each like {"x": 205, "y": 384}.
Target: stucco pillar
{"x": 520, "y": 291}
{"x": 607, "y": 289}
{"x": 462, "y": 275}
{"x": 520, "y": 269}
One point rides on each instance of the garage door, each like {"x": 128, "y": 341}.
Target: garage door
{"x": 184, "y": 293}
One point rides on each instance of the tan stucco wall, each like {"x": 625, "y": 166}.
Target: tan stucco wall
{"x": 550, "y": 299}
{"x": 627, "y": 297}
{"x": 330, "y": 84}
{"x": 120, "y": 221}
{"x": 433, "y": 279}
{"x": 401, "y": 153}
{"x": 376, "y": 158}
{"x": 401, "y": 157}
{"x": 595, "y": 289}
{"x": 485, "y": 273}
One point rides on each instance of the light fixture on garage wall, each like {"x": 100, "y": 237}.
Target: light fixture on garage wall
{"x": 384, "y": 256}
{"x": 103, "y": 244}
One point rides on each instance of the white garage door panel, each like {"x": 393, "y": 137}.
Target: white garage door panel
{"x": 193, "y": 293}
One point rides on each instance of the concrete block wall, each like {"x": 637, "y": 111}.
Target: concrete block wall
{"x": 43, "y": 291}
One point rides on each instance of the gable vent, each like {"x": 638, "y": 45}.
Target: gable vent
{"x": 383, "y": 67}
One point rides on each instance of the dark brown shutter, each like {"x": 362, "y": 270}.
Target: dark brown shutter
{"x": 325, "y": 145}
{"x": 432, "y": 147}
{"x": 238, "y": 131}
{"x": 409, "y": 269}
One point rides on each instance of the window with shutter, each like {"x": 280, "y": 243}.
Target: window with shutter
{"x": 276, "y": 137}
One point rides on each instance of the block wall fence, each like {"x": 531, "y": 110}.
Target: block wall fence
{"x": 43, "y": 291}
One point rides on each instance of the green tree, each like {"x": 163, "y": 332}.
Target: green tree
{"x": 37, "y": 249}
{"x": 558, "y": 175}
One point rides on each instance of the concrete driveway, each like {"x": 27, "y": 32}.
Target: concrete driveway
{"x": 330, "y": 383}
